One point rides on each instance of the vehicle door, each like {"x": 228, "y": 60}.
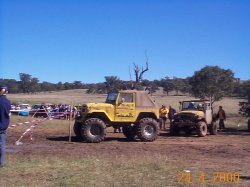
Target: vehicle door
{"x": 125, "y": 107}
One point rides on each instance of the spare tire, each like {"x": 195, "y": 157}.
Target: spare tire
{"x": 93, "y": 130}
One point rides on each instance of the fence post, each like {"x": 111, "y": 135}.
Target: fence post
{"x": 70, "y": 118}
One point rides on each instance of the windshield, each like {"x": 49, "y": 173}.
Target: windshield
{"x": 111, "y": 98}
{"x": 192, "y": 105}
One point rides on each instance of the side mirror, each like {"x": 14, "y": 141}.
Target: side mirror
{"x": 180, "y": 107}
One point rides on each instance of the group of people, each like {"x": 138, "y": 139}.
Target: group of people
{"x": 166, "y": 113}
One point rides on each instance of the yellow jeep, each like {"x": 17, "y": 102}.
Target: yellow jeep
{"x": 133, "y": 111}
{"x": 194, "y": 115}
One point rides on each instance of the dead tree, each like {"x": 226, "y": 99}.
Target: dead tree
{"x": 138, "y": 72}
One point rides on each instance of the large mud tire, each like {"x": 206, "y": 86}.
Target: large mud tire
{"x": 174, "y": 130}
{"x": 147, "y": 129}
{"x": 213, "y": 129}
{"x": 77, "y": 131}
{"x": 129, "y": 132}
{"x": 202, "y": 129}
{"x": 93, "y": 131}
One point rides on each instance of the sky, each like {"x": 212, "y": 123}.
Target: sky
{"x": 86, "y": 40}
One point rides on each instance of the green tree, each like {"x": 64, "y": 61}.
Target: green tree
{"x": 47, "y": 86}
{"x": 167, "y": 85}
{"x": 77, "y": 85}
{"x": 59, "y": 86}
{"x": 34, "y": 85}
{"x": 212, "y": 82}
{"x": 186, "y": 88}
{"x": 25, "y": 80}
{"x": 179, "y": 84}
{"x": 113, "y": 83}
{"x": 12, "y": 84}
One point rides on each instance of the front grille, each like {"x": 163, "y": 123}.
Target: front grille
{"x": 185, "y": 118}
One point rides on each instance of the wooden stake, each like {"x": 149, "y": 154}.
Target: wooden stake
{"x": 70, "y": 119}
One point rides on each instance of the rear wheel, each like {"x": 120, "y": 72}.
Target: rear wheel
{"x": 202, "y": 128}
{"x": 213, "y": 129}
{"x": 93, "y": 131}
{"x": 147, "y": 130}
{"x": 129, "y": 132}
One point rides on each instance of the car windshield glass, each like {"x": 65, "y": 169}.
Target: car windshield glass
{"x": 192, "y": 105}
{"x": 111, "y": 98}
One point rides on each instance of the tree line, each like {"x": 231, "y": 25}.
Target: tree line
{"x": 210, "y": 82}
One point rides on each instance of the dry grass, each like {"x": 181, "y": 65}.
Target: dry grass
{"x": 92, "y": 171}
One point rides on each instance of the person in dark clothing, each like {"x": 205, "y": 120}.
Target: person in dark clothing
{"x": 171, "y": 113}
{"x": 221, "y": 115}
{"x": 5, "y": 107}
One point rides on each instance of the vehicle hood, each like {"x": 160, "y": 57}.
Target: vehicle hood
{"x": 192, "y": 112}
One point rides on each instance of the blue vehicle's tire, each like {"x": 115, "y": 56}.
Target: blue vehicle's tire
{"x": 93, "y": 130}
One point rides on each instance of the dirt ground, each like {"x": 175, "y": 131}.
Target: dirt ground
{"x": 229, "y": 151}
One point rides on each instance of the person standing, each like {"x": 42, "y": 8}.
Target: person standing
{"x": 163, "y": 117}
{"x": 221, "y": 115}
{"x": 171, "y": 113}
{"x": 5, "y": 107}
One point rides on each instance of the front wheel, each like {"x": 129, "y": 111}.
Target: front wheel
{"x": 93, "y": 131}
{"x": 147, "y": 130}
{"x": 202, "y": 129}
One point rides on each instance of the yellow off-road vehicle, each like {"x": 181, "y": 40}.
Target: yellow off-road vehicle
{"x": 133, "y": 111}
{"x": 194, "y": 115}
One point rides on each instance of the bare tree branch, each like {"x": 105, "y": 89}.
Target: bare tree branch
{"x": 132, "y": 83}
{"x": 139, "y": 71}
{"x": 144, "y": 70}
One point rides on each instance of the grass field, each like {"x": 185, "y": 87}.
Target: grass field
{"x": 50, "y": 160}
